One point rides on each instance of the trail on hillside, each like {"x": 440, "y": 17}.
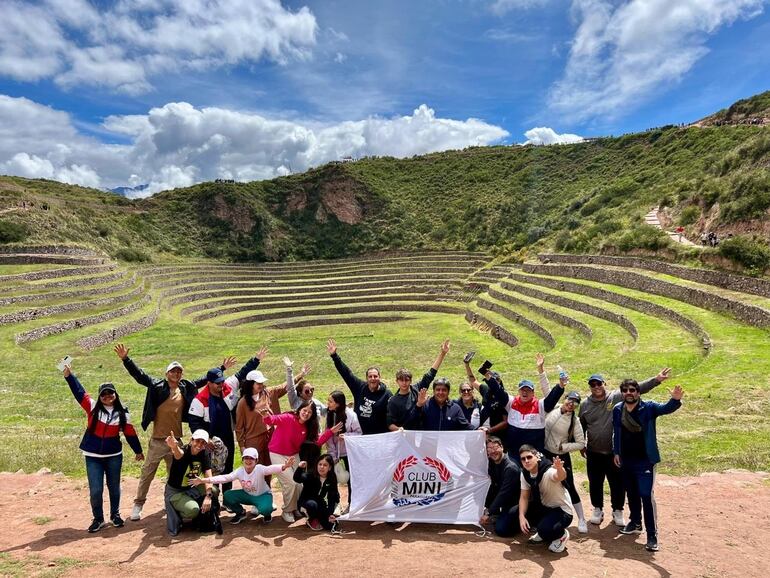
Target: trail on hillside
{"x": 652, "y": 219}
{"x": 713, "y": 525}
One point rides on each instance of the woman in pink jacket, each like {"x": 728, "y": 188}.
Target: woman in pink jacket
{"x": 291, "y": 430}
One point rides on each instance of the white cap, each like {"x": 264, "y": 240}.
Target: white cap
{"x": 256, "y": 375}
{"x": 250, "y": 453}
{"x": 174, "y": 365}
{"x": 201, "y": 434}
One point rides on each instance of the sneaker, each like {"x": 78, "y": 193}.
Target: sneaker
{"x": 535, "y": 539}
{"x": 582, "y": 527}
{"x": 136, "y": 513}
{"x": 96, "y": 525}
{"x": 239, "y": 517}
{"x": 631, "y": 528}
{"x": 559, "y": 545}
{"x": 117, "y": 521}
{"x": 254, "y": 511}
{"x": 288, "y": 517}
{"x": 617, "y": 518}
{"x": 598, "y": 516}
{"x": 299, "y": 514}
{"x": 652, "y": 545}
{"x": 314, "y": 524}
{"x": 267, "y": 518}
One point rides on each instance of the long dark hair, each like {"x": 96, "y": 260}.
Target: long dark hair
{"x": 331, "y": 477}
{"x": 312, "y": 423}
{"x": 338, "y": 415}
{"x": 99, "y": 408}
{"x": 247, "y": 393}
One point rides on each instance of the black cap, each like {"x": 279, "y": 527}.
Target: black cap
{"x": 107, "y": 387}
{"x": 215, "y": 375}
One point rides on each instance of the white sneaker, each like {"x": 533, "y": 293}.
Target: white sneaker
{"x": 559, "y": 545}
{"x": 288, "y": 517}
{"x": 136, "y": 513}
{"x": 617, "y": 518}
{"x": 597, "y": 516}
{"x": 254, "y": 511}
{"x": 582, "y": 527}
{"x": 535, "y": 539}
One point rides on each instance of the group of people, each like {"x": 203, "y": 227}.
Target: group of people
{"x": 529, "y": 443}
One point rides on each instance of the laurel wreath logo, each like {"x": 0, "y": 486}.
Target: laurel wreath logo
{"x": 399, "y": 473}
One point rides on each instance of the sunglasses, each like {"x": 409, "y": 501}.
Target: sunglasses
{"x": 628, "y": 390}
{"x": 527, "y": 458}
{"x": 107, "y": 394}
{"x": 595, "y": 384}
{"x": 466, "y": 390}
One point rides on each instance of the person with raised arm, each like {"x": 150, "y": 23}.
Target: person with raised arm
{"x": 635, "y": 450}
{"x": 101, "y": 446}
{"x": 320, "y": 496}
{"x": 166, "y": 407}
{"x": 402, "y": 406}
{"x": 370, "y": 397}
{"x": 255, "y": 491}
{"x": 292, "y": 429}
{"x": 526, "y": 413}
{"x": 183, "y": 499}
{"x": 596, "y": 419}
{"x": 544, "y": 503}
{"x": 493, "y": 415}
{"x": 338, "y": 412}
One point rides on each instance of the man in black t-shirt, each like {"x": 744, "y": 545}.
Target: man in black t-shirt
{"x": 183, "y": 500}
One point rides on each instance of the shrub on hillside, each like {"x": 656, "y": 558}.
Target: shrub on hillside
{"x": 750, "y": 252}
{"x": 12, "y": 232}
{"x": 689, "y": 215}
{"x": 641, "y": 237}
{"x": 131, "y": 255}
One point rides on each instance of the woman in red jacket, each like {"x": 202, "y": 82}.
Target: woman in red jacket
{"x": 101, "y": 446}
{"x": 291, "y": 430}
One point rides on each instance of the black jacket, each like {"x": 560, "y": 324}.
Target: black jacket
{"x": 371, "y": 407}
{"x": 402, "y": 409}
{"x": 312, "y": 489}
{"x": 504, "y": 492}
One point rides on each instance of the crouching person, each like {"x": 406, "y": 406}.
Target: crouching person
{"x": 544, "y": 501}
{"x": 502, "y": 503}
{"x": 254, "y": 490}
{"x": 185, "y": 501}
{"x": 320, "y": 496}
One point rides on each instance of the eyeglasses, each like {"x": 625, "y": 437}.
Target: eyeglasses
{"x": 628, "y": 390}
{"x": 593, "y": 384}
{"x": 466, "y": 390}
{"x": 527, "y": 458}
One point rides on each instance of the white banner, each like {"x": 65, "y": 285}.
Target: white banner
{"x": 418, "y": 476}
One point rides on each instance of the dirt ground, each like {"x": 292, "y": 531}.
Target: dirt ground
{"x": 710, "y": 525}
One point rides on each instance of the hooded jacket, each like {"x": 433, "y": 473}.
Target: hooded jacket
{"x": 371, "y": 407}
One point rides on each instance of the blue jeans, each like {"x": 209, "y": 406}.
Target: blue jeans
{"x": 639, "y": 479}
{"x": 96, "y": 470}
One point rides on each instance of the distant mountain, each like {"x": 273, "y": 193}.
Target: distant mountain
{"x": 752, "y": 110}
{"x": 129, "y": 191}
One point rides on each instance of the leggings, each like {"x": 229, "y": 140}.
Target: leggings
{"x": 344, "y": 460}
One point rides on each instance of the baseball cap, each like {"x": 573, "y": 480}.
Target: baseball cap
{"x": 573, "y": 395}
{"x": 174, "y": 365}
{"x": 215, "y": 375}
{"x": 256, "y": 375}
{"x": 201, "y": 434}
{"x": 250, "y": 453}
{"x": 106, "y": 387}
{"x": 596, "y": 377}
{"x": 526, "y": 383}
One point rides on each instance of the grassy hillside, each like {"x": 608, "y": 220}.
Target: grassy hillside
{"x": 581, "y": 197}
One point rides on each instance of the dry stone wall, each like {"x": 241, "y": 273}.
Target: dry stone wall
{"x": 497, "y": 331}
{"x": 520, "y": 319}
{"x": 93, "y": 341}
{"x": 56, "y": 273}
{"x": 104, "y": 290}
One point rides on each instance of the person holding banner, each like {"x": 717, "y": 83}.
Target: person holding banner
{"x": 402, "y": 406}
{"x": 370, "y": 397}
{"x": 544, "y": 499}
{"x": 502, "y": 503}
{"x": 440, "y": 413}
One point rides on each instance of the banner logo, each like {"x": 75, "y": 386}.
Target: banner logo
{"x": 420, "y": 482}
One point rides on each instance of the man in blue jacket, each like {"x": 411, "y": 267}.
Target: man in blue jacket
{"x": 439, "y": 413}
{"x": 635, "y": 449}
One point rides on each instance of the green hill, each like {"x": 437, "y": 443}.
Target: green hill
{"x": 583, "y": 197}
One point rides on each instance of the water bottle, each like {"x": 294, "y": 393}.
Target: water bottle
{"x": 563, "y": 375}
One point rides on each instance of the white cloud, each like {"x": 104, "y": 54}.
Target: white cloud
{"x": 543, "y": 135}
{"x": 622, "y": 54}
{"x": 178, "y": 144}
{"x": 122, "y": 47}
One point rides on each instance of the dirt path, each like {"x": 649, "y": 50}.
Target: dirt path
{"x": 711, "y": 525}
{"x": 651, "y": 219}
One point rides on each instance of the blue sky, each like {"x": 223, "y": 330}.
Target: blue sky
{"x": 172, "y": 92}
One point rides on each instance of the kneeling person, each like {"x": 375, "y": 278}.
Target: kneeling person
{"x": 544, "y": 498}
{"x": 502, "y": 503}
{"x": 254, "y": 491}
{"x": 183, "y": 499}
